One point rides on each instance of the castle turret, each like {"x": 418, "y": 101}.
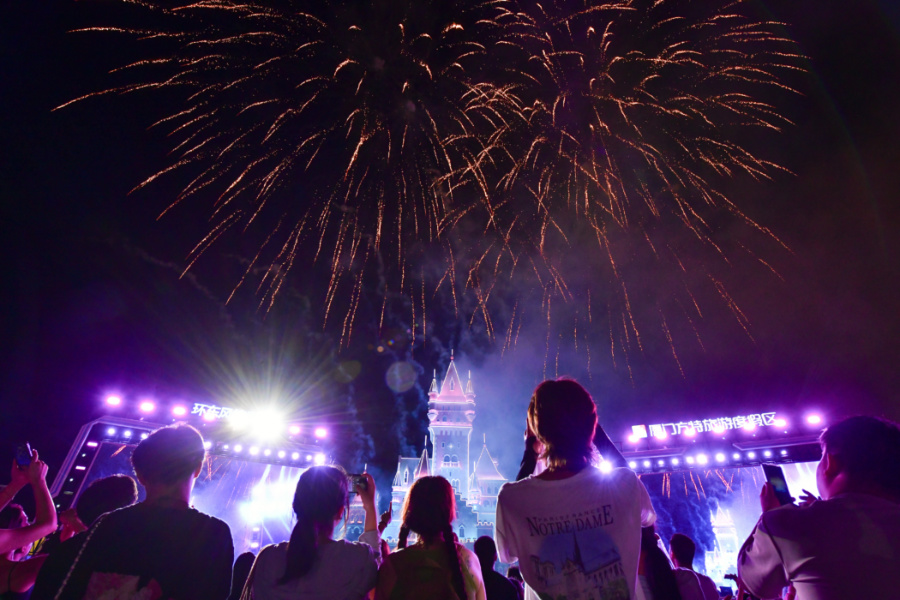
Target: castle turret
{"x": 451, "y": 410}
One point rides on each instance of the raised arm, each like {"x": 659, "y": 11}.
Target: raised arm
{"x": 18, "y": 479}
{"x": 45, "y": 512}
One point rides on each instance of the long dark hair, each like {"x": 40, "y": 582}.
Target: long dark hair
{"x": 563, "y": 416}
{"x": 321, "y": 493}
{"x": 429, "y": 510}
{"x": 659, "y": 574}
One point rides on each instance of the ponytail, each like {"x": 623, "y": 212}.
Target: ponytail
{"x": 456, "y": 577}
{"x": 321, "y": 494}
{"x": 404, "y": 533}
{"x": 301, "y": 551}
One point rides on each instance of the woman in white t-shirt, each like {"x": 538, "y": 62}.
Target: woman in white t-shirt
{"x": 574, "y": 528}
{"x": 313, "y": 564}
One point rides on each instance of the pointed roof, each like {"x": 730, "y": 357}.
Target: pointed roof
{"x": 485, "y": 467}
{"x": 422, "y": 469}
{"x": 452, "y": 389}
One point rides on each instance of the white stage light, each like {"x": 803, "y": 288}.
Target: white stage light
{"x": 606, "y": 466}
{"x": 702, "y": 459}
{"x": 720, "y": 457}
{"x": 320, "y": 459}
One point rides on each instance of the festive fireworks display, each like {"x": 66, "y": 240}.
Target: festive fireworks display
{"x": 506, "y": 155}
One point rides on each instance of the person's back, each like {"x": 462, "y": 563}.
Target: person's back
{"x": 159, "y": 548}
{"x": 426, "y": 572}
{"x": 846, "y": 545}
{"x": 435, "y": 567}
{"x": 496, "y": 586}
{"x": 343, "y": 570}
{"x": 682, "y": 550}
{"x": 313, "y": 565}
{"x": 573, "y": 529}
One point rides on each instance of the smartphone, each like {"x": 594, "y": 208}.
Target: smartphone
{"x": 358, "y": 482}
{"x": 775, "y": 477}
{"x": 23, "y": 455}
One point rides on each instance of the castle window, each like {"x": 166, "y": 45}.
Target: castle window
{"x": 455, "y": 459}
{"x": 446, "y": 459}
{"x": 406, "y": 477}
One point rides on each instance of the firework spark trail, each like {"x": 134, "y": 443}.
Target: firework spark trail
{"x": 391, "y": 130}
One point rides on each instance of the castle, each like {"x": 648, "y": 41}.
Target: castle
{"x": 451, "y": 411}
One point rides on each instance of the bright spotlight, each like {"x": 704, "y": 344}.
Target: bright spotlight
{"x": 294, "y": 430}
{"x": 720, "y": 457}
{"x": 661, "y": 435}
{"x": 702, "y": 459}
{"x": 254, "y": 450}
{"x": 320, "y": 459}
{"x": 111, "y": 431}
{"x": 767, "y": 453}
{"x": 751, "y": 455}
{"x": 238, "y": 447}
{"x": 736, "y": 456}
{"x": 749, "y": 426}
{"x": 295, "y": 456}
{"x": 207, "y": 444}
{"x": 647, "y": 464}
{"x": 264, "y": 424}
{"x": 814, "y": 419}
{"x": 114, "y": 400}
{"x": 689, "y": 460}
{"x": 719, "y": 429}
{"x": 784, "y": 452}
{"x": 147, "y": 406}
{"x": 267, "y": 452}
{"x": 281, "y": 454}
{"x": 606, "y": 466}
{"x": 179, "y": 411}
{"x": 145, "y": 435}
{"x": 321, "y": 433}
{"x": 309, "y": 457}
{"x": 690, "y": 432}
{"x": 779, "y": 422}
{"x": 633, "y": 438}
{"x": 127, "y": 433}
{"x": 632, "y": 464}
{"x": 676, "y": 462}
{"x": 209, "y": 416}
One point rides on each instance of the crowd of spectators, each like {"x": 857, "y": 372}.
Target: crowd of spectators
{"x": 569, "y": 528}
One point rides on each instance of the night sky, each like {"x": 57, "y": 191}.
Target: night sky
{"x": 93, "y": 300}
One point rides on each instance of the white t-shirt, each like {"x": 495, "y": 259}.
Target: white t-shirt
{"x": 842, "y": 548}
{"x": 578, "y": 537}
{"x": 343, "y": 571}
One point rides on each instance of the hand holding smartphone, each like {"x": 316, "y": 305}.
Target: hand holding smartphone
{"x": 775, "y": 477}
{"x": 23, "y": 455}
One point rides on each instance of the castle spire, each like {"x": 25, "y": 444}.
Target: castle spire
{"x": 434, "y": 384}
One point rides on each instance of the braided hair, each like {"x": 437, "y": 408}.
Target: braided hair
{"x": 429, "y": 510}
{"x": 322, "y": 492}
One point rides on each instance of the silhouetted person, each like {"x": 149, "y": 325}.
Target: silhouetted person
{"x": 682, "y": 550}
{"x": 159, "y": 548}
{"x": 496, "y": 586}
{"x": 846, "y": 545}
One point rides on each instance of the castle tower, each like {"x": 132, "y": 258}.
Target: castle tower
{"x": 451, "y": 410}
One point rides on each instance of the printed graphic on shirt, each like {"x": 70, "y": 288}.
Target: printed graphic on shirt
{"x": 577, "y": 559}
